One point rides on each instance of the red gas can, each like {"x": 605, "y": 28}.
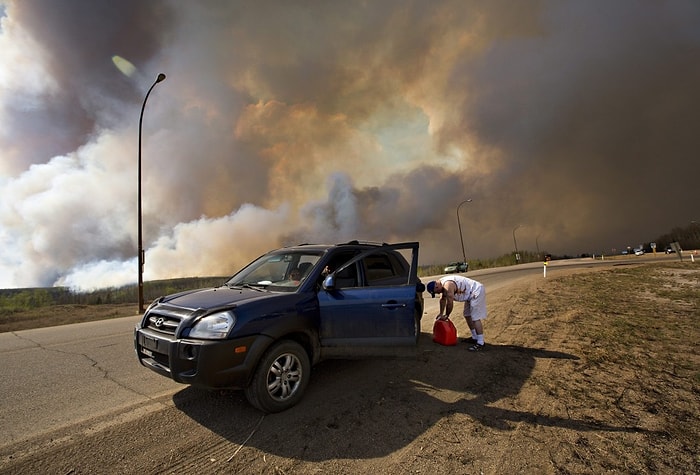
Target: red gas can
{"x": 445, "y": 332}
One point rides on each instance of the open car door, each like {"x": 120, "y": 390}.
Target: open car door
{"x": 371, "y": 302}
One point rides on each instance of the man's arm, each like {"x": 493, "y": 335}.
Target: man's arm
{"x": 447, "y": 300}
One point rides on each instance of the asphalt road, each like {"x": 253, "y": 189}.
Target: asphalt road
{"x": 57, "y": 377}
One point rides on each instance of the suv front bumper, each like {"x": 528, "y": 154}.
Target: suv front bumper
{"x": 204, "y": 363}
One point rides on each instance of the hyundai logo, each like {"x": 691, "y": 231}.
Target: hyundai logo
{"x": 159, "y": 322}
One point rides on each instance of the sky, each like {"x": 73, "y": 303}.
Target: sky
{"x": 573, "y": 127}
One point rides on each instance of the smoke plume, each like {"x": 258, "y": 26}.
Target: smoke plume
{"x": 284, "y": 122}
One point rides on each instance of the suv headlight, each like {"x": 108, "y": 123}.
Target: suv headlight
{"x": 215, "y": 326}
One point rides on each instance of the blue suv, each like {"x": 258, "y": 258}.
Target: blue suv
{"x": 264, "y": 328}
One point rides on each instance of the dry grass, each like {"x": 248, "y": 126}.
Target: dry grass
{"x": 635, "y": 330}
{"x": 54, "y": 315}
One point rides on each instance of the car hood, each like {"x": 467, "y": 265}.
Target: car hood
{"x": 214, "y": 297}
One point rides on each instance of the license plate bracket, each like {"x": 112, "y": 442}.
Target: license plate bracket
{"x": 148, "y": 342}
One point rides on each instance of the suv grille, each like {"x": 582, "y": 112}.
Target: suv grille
{"x": 163, "y": 323}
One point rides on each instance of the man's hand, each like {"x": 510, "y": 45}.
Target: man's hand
{"x": 442, "y": 317}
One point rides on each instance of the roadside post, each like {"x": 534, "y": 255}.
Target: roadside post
{"x": 545, "y": 269}
{"x": 677, "y": 249}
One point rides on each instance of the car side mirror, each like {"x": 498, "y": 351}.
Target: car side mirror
{"x": 329, "y": 282}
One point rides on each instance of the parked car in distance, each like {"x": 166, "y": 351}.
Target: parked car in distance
{"x": 455, "y": 267}
{"x": 265, "y": 327}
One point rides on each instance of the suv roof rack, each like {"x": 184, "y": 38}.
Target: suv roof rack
{"x": 356, "y": 242}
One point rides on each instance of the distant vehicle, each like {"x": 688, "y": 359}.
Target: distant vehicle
{"x": 638, "y": 251}
{"x": 264, "y": 328}
{"x": 455, "y": 267}
{"x": 673, "y": 248}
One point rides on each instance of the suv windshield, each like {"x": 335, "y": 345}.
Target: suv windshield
{"x": 283, "y": 271}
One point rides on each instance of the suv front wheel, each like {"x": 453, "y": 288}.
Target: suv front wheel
{"x": 280, "y": 378}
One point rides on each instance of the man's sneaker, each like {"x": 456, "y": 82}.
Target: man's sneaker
{"x": 476, "y": 347}
{"x": 470, "y": 340}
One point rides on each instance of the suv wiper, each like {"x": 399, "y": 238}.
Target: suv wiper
{"x": 245, "y": 286}
{"x": 254, "y": 287}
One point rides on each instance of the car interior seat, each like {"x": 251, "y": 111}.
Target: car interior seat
{"x": 304, "y": 268}
{"x": 347, "y": 277}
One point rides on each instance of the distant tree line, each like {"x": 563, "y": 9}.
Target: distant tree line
{"x": 16, "y": 300}
{"x": 688, "y": 237}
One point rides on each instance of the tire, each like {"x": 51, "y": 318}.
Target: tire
{"x": 280, "y": 379}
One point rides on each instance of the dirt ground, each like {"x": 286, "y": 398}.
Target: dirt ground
{"x": 584, "y": 373}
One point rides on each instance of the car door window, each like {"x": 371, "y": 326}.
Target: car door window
{"x": 383, "y": 269}
{"x": 344, "y": 277}
{"x": 347, "y": 277}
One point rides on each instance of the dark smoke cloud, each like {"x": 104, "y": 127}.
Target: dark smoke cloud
{"x": 74, "y": 41}
{"x": 283, "y": 122}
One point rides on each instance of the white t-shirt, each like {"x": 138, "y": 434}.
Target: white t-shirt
{"x": 466, "y": 288}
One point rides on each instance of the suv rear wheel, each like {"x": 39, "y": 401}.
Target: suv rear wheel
{"x": 281, "y": 378}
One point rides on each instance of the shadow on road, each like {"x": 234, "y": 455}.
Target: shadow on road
{"x": 371, "y": 408}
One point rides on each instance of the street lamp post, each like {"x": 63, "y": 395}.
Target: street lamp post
{"x": 141, "y": 256}
{"x": 459, "y": 225}
{"x": 515, "y": 243}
